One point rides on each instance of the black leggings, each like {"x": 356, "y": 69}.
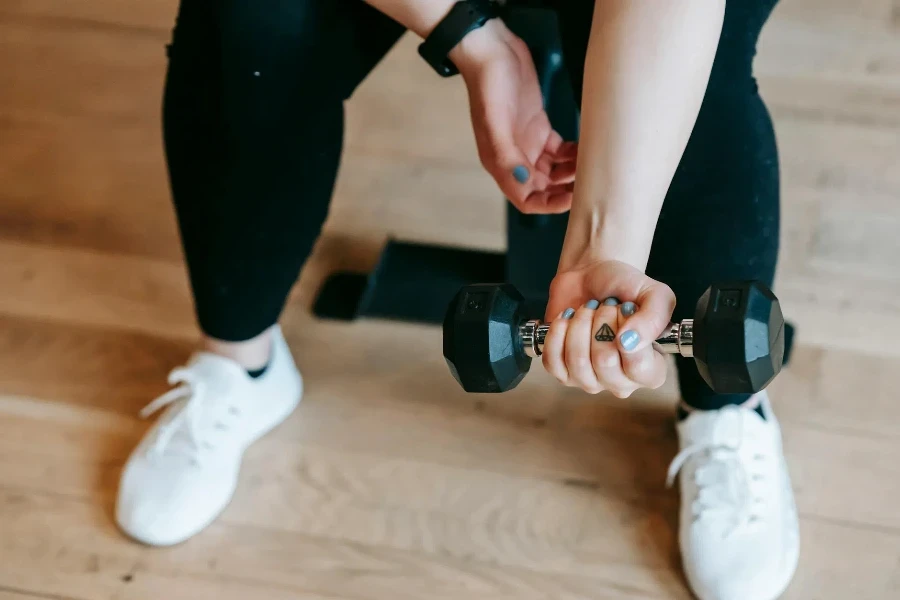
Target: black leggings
{"x": 253, "y": 122}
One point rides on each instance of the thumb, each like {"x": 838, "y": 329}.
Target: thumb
{"x": 518, "y": 178}
{"x": 646, "y": 318}
{"x": 516, "y": 175}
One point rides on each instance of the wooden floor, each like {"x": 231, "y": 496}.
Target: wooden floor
{"x": 389, "y": 483}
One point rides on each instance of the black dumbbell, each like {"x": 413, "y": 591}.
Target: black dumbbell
{"x": 736, "y": 337}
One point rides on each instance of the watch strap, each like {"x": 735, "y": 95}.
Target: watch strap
{"x": 464, "y": 17}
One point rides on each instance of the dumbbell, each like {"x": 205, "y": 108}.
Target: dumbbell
{"x": 736, "y": 337}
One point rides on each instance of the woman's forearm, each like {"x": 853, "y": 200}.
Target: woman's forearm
{"x": 419, "y": 16}
{"x": 422, "y": 16}
{"x": 646, "y": 70}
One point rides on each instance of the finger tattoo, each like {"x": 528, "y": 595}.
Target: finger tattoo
{"x": 605, "y": 334}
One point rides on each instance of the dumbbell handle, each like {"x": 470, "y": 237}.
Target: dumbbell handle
{"x": 677, "y": 339}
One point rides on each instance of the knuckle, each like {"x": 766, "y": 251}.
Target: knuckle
{"x": 555, "y": 285}
{"x": 621, "y": 392}
{"x": 648, "y": 371}
{"x": 556, "y": 370}
{"x": 659, "y": 380}
{"x": 605, "y": 359}
{"x": 666, "y": 292}
{"x": 640, "y": 369}
{"x": 519, "y": 44}
{"x": 580, "y": 364}
{"x": 582, "y": 379}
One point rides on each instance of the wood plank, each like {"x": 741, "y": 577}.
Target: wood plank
{"x": 820, "y": 306}
{"x": 99, "y": 92}
{"x": 133, "y": 294}
{"x": 844, "y": 562}
{"x": 54, "y": 546}
{"x": 143, "y": 17}
{"x": 12, "y": 594}
{"x": 282, "y": 564}
{"x": 865, "y": 16}
{"x": 152, "y": 586}
{"x": 838, "y": 52}
{"x": 350, "y": 570}
{"x": 110, "y": 196}
{"x": 95, "y": 368}
{"x": 110, "y": 76}
{"x": 807, "y": 99}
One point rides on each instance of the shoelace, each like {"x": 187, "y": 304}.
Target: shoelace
{"x": 191, "y": 418}
{"x": 724, "y": 479}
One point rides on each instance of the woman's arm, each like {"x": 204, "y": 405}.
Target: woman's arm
{"x": 646, "y": 70}
{"x": 419, "y": 16}
{"x": 422, "y": 16}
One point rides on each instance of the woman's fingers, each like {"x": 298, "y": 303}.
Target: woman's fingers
{"x": 577, "y": 350}
{"x": 605, "y": 353}
{"x": 645, "y": 367}
{"x": 567, "y": 151}
{"x": 640, "y": 329}
{"x": 547, "y": 159}
{"x": 512, "y": 166}
{"x": 562, "y": 172}
{"x": 556, "y": 199}
{"x": 554, "y": 346}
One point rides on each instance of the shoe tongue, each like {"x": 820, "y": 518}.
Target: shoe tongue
{"x": 724, "y": 427}
{"x": 219, "y": 375}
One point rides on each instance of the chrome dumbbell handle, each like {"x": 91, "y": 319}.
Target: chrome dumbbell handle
{"x": 677, "y": 339}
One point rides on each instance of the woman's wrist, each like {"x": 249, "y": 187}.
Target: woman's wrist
{"x": 481, "y": 45}
{"x": 599, "y": 234}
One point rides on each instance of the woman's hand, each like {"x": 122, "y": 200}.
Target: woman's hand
{"x": 606, "y": 315}
{"x": 532, "y": 165}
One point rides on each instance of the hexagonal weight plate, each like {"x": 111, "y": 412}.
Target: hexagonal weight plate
{"x": 481, "y": 338}
{"x": 738, "y": 337}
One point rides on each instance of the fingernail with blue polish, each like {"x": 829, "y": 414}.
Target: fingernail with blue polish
{"x": 567, "y": 314}
{"x": 521, "y": 174}
{"x": 630, "y": 339}
{"x": 628, "y": 308}
{"x": 611, "y": 302}
{"x": 592, "y": 304}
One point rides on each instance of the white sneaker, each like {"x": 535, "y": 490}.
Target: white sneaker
{"x": 184, "y": 472}
{"x": 739, "y": 534}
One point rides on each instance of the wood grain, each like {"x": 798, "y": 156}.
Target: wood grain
{"x": 389, "y": 481}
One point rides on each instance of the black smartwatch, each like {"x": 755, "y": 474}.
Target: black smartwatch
{"x": 465, "y": 17}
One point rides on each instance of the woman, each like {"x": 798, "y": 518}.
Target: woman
{"x": 676, "y": 186}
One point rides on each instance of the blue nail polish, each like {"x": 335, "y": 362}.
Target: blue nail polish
{"x": 628, "y": 308}
{"x": 611, "y": 302}
{"x": 592, "y": 304}
{"x": 567, "y": 314}
{"x": 630, "y": 339}
{"x": 521, "y": 174}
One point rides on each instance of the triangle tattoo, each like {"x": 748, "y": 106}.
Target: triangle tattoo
{"x": 605, "y": 334}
